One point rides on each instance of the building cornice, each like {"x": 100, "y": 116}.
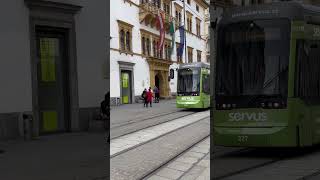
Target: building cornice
{"x": 202, "y": 3}
{"x": 52, "y": 6}
{"x": 125, "y": 23}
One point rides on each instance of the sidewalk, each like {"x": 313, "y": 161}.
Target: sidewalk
{"x": 77, "y": 156}
{"x": 128, "y": 112}
{"x": 192, "y": 165}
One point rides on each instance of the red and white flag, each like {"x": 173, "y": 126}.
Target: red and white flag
{"x": 162, "y": 31}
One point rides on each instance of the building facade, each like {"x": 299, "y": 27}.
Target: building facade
{"x": 136, "y": 63}
{"x": 53, "y": 64}
{"x": 228, "y": 3}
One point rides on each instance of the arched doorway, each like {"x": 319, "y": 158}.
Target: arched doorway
{"x": 157, "y": 82}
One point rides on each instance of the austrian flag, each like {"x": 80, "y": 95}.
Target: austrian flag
{"x": 162, "y": 31}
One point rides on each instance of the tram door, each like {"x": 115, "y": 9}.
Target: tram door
{"x": 52, "y": 80}
{"x": 126, "y": 87}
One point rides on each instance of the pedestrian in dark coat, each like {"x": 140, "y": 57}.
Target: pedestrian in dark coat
{"x": 144, "y": 97}
{"x": 156, "y": 94}
{"x": 105, "y": 113}
{"x": 149, "y": 97}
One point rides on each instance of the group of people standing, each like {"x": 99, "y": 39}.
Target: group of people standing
{"x": 147, "y": 96}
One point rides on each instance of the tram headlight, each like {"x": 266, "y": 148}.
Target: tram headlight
{"x": 275, "y": 105}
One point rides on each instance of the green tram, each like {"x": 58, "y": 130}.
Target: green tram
{"x": 267, "y": 76}
{"x": 193, "y": 86}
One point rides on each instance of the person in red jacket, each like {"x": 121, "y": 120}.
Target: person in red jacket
{"x": 149, "y": 97}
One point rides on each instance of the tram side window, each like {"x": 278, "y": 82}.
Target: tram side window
{"x": 307, "y": 84}
{"x": 205, "y": 84}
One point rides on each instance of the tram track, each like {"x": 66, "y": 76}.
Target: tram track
{"x": 140, "y": 161}
{"x": 157, "y": 137}
{"x": 152, "y": 124}
{"x": 145, "y": 177}
{"x": 310, "y": 176}
{"x": 139, "y": 119}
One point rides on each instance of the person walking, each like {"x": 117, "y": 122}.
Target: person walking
{"x": 156, "y": 93}
{"x": 149, "y": 97}
{"x": 144, "y": 97}
{"x": 105, "y": 113}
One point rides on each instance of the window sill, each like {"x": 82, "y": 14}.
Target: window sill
{"x": 126, "y": 52}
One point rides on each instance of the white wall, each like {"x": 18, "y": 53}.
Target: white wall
{"x": 141, "y": 67}
{"x": 92, "y": 37}
{"x": 15, "y": 73}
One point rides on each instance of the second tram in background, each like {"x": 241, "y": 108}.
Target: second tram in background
{"x": 193, "y": 87}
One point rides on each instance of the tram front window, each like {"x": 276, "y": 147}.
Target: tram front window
{"x": 189, "y": 81}
{"x": 252, "y": 62}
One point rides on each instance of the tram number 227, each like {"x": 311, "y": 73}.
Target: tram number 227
{"x": 242, "y": 138}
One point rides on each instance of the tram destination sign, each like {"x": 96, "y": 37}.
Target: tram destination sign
{"x": 236, "y": 117}
{"x": 272, "y": 12}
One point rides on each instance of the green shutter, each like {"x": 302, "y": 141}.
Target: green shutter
{"x": 125, "y": 79}
{"x": 125, "y": 99}
{"x": 47, "y": 59}
{"x": 50, "y": 121}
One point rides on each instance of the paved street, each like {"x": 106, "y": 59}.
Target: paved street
{"x": 157, "y": 137}
{"x": 265, "y": 164}
{"x": 76, "y": 156}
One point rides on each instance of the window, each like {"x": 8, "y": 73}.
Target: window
{"x": 148, "y": 46}
{"x": 166, "y": 7}
{"x": 179, "y": 58}
{"x": 161, "y": 53}
{"x": 206, "y": 83}
{"x": 156, "y": 3}
{"x": 188, "y": 1}
{"x": 198, "y": 26}
{"x": 154, "y": 48}
{"x": 307, "y": 84}
{"x": 122, "y": 42}
{"x": 197, "y": 7}
{"x": 167, "y": 50}
{"x": 190, "y": 60}
{"x": 128, "y": 37}
{"x": 125, "y": 35}
{"x": 178, "y": 10}
{"x": 178, "y": 17}
{"x": 143, "y": 43}
{"x": 189, "y": 22}
{"x": 198, "y": 56}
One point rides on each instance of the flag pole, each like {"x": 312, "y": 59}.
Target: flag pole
{"x": 185, "y": 33}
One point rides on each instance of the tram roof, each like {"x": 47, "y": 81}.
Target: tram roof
{"x": 196, "y": 64}
{"x": 289, "y": 9}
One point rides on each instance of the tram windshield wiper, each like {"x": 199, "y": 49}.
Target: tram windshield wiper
{"x": 266, "y": 84}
